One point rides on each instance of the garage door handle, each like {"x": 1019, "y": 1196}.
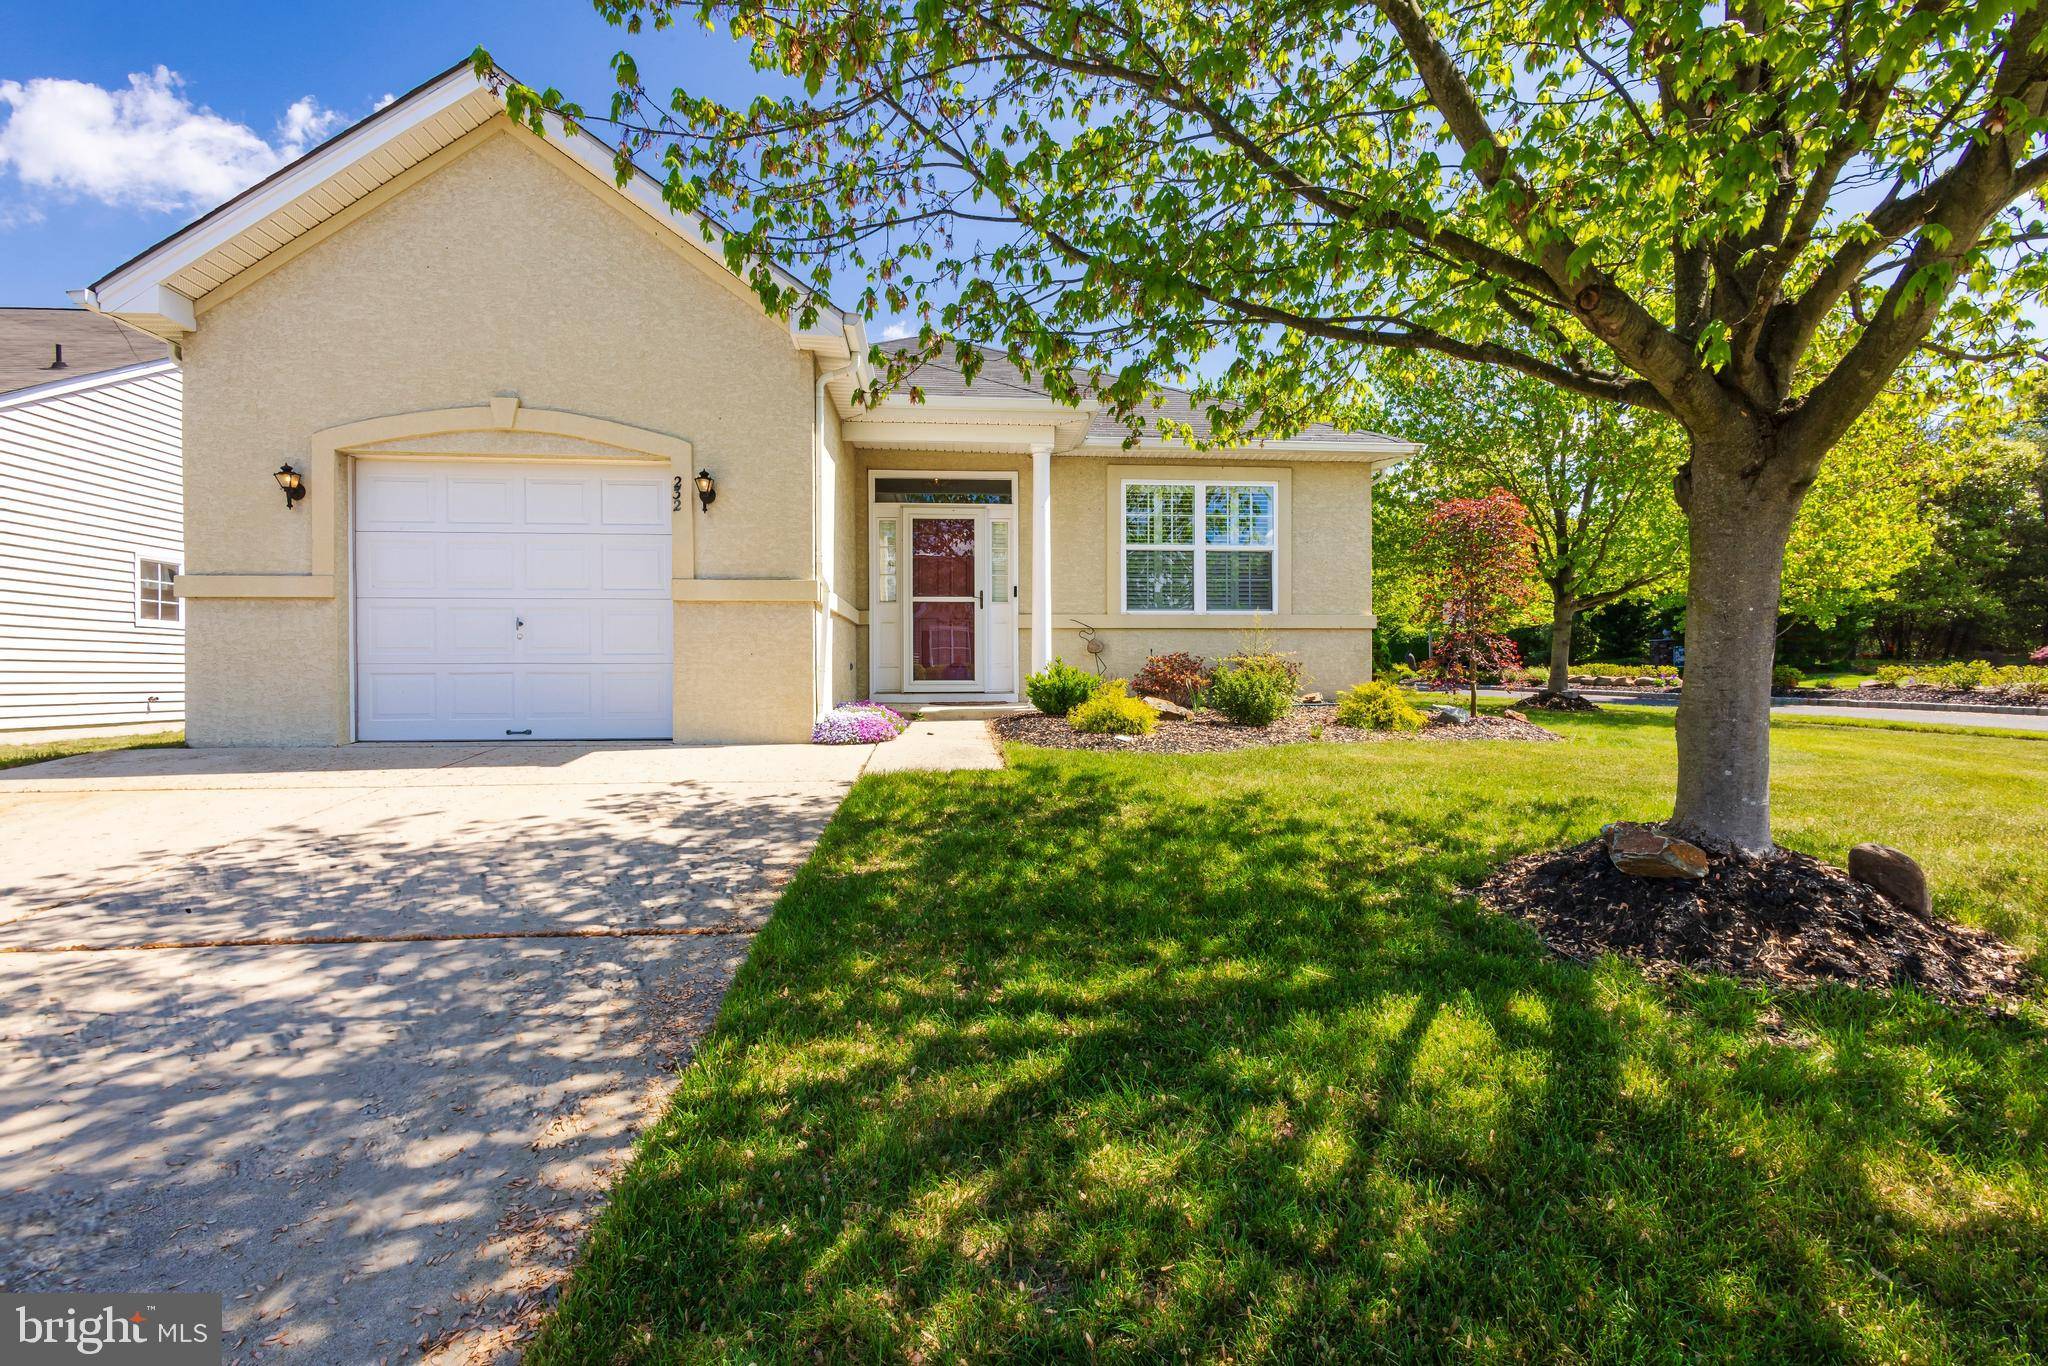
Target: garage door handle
{"x": 527, "y": 731}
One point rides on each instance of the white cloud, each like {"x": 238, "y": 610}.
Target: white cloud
{"x": 386, "y": 98}
{"x": 897, "y": 330}
{"x": 146, "y": 146}
{"x": 306, "y": 123}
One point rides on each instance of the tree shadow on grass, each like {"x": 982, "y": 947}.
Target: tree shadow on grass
{"x": 1092, "y": 1057}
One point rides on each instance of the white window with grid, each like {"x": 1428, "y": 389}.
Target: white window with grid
{"x": 156, "y": 595}
{"x": 1199, "y": 546}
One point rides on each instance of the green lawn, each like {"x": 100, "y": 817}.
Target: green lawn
{"x": 13, "y": 756}
{"x": 1133, "y": 1057}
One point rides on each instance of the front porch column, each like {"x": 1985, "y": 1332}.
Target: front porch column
{"x": 1041, "y": 556}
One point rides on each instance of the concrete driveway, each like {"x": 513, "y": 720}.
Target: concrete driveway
{"x": 354, "y": 1037}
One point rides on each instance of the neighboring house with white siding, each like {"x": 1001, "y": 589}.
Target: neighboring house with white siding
{"x": 92, "y": 637}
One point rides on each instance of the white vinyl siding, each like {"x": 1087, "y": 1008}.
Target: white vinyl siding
{"x": 1196, "y": 546}
{"x": 90, "y": 484}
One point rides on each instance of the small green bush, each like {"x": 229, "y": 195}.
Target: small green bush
{"x": 1270, "y": 661}
{"x": 1255, "y": 692}
{"x": 1784, "y": 678}
{"x": 1113, "y": 711}
{"x": 1377, "y": 706}
{"x": 1060, "y": 688}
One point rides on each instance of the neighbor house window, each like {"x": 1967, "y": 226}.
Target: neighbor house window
{"x": 1197, "y": 546}
{"x": 156, "y": 600}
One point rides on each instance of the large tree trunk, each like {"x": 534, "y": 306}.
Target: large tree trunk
{"x": 1562, "y": 611}
{"x": 1739, "y": 510}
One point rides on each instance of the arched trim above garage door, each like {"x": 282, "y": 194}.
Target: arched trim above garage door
{"x": 430, "y": 432}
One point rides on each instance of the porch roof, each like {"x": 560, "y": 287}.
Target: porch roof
{"x": 999, "y": 385}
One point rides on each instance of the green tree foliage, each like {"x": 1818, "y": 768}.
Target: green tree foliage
{"x": 1594, "y": 479}
{"x": 1659, "y": 205}
{"x": 1983, "y": 587}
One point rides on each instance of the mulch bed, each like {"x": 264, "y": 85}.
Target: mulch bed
{"x": 1206, "y": 732}
{"x": 1785, "y": 920}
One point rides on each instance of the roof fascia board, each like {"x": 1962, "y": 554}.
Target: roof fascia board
{"x": 1000, "y": 408}
{"x": 1018, "y": 436}
{"x": 64, "y": 388}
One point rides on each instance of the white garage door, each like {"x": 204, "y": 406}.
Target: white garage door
{"x": 523, "y": 600}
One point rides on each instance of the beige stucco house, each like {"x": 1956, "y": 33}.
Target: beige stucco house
{"x": 495, "y": 376}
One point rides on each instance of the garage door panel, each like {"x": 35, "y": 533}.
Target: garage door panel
{"x": 635, "y": 565}
{"x": 480, "y": 632}
{"x": 560, "y": 501}
{"x": 496, "y": 599}
{"x": 392, "y": 631}
{"x": 634, "y": 504}
{"x": 566, "y": 630}
{"x": 560, "y": 564}
{"x": 483, "y": 502}
{"x": 478, "y": 695}
{"x": 636, "y": 630}
{"x": 487, "y": 563}
{"x": 399, "y": 695}
{"x": 641, "y": 693}
{"x": 398, "y": 562}
{"x": 395, "y": 497}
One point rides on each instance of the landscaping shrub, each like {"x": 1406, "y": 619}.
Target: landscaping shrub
{"x": 858, "y": 723}
{"x": 1177, "y": 676}
{"x": 1785, "y": 678}
{"x": 1254, "y": 690}
{"x": 1377, "y": 706}
{"x": 1271, "y": 661}
{"x": 1663, "y": 673}
{"x": 2040, "y": 656}
{"x": 1113, "y": 711}
{"x": 1892, "y": 675}
{"x": 1060, "y": 688}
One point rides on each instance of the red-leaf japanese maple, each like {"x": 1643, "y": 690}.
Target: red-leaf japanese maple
{"x": 1477, "y": 574}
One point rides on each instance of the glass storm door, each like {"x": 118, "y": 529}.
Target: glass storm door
{"x": 946, "y": 600}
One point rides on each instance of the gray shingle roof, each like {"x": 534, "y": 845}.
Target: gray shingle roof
{"x": 29, "y": 338}
{"x": 998, "y": 378}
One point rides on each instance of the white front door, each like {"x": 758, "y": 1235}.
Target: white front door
{"x": 942, "y": 588}
{"x": 512, "y": 600}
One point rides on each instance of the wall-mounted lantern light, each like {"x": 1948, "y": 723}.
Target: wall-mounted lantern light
{"x": 707, "y": 489}
{"x": 293, "y": 485}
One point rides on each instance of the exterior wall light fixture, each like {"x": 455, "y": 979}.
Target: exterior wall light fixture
{"x": 293, "y": 484}
{"x": 707, "y": 490}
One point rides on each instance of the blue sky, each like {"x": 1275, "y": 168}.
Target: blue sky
{"x": 94, "y": 166}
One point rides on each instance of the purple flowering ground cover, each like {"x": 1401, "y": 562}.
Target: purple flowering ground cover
{"x": 858, "y": 723}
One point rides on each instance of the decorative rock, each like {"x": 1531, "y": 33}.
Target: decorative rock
{"x": 1641, "y": 851}
{"x": 1312, "y": 698}
{"x": 1870, "y": 683}
{"x": 1456, "y": 716}
{"x": 1893, "y": 874}
{"x": 1167, "y": 708}
{"x": 1643, "y": 681}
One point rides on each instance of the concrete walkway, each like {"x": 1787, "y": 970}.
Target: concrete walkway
{"x": 939, "y": 742}
{"x": 355, "y": 1037}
